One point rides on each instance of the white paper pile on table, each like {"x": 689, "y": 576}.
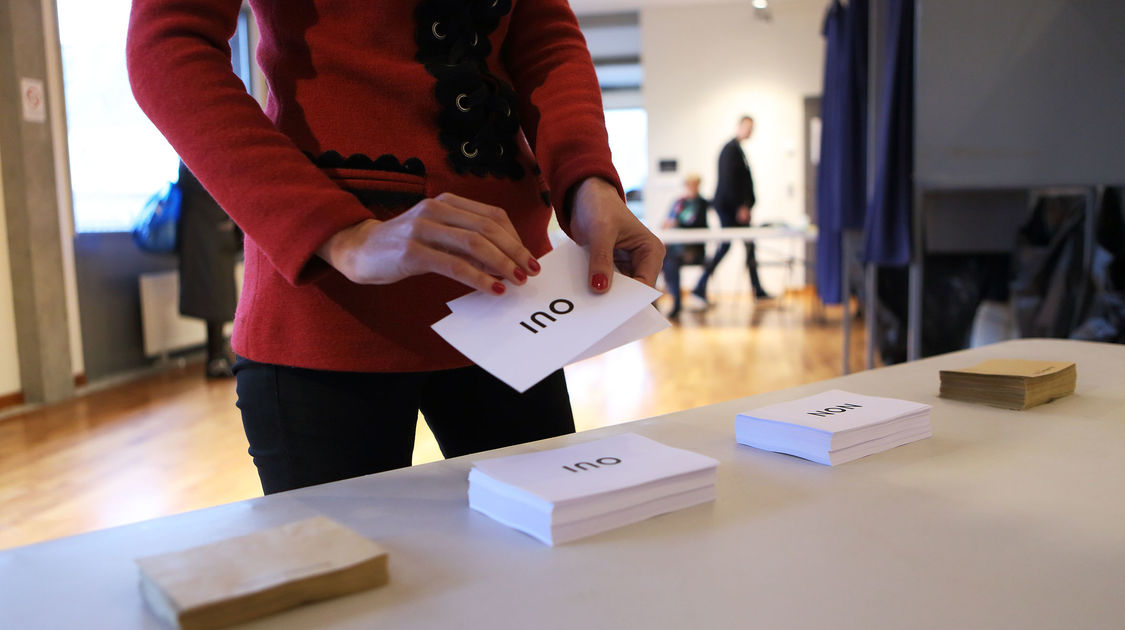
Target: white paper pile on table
{"x": 568, "y": 493}
{"x": 523, "y": 336}
{"x": 834, "y": 427}
{"x": 242, "y": 578}
{"x": 1010, "y": 383}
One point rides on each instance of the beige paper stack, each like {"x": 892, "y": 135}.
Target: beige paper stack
{"x": 239, "y": 579}
{"x": 1010, "y": 383}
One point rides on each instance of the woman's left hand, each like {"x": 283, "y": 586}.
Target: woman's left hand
{"x": 601, "y": 220}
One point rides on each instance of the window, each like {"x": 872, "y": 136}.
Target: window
{"x": 118, "y": 159}
{"x": 628, "y": 140}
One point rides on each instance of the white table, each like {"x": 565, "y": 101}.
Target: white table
{"x": 1002, "y": 519}
{"x": 720, "y": 235}
{"x": 674, "y": 236}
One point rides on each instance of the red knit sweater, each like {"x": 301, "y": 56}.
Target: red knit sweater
{"x": 373, "y": 104}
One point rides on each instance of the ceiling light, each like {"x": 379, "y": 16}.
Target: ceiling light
{"x": 760, "y": 4}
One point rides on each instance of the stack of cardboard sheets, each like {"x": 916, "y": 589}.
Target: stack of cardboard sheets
{"x": 1010, "y": 383}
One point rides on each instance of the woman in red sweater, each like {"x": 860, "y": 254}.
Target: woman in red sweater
{"x": 410, "y": 151}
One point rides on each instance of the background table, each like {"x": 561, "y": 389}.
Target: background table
{"x": 1002, "y": 519}
{"x": 730, "y": 234}
{"x": 804, "y": 237}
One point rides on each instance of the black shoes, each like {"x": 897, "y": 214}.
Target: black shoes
{"x": 219, "y": 368}
{"x": 698, "y": 302}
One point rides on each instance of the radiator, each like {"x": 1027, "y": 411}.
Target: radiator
{"x": 163, "y": 328}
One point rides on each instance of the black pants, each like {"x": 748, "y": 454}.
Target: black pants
{"x": 676, "y": 257}
{"x": 751, "y": 264}
{"x": 308, "y": 427}
{"x": 728, "y": 218}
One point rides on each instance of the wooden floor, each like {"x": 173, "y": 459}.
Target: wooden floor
{"x": 173, "y": 441}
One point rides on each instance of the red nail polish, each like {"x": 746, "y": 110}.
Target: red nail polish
{"x": 520, "y": 275}
{"x": 534, "y": 265}
{"x": 498, "y": 288}
{"x": 599, "y": 282}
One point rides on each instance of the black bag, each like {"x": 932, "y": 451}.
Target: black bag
{"x": 1049, "y": 294}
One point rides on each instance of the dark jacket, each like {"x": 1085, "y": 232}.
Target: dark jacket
{"x": 736, "y": 185}
{"x": 690, "y": 212}
{"x": 210, "y": 245}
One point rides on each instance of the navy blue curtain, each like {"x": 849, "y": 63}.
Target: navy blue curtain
{"x": 887, "y": 229}
{"x": 841, "y": 196}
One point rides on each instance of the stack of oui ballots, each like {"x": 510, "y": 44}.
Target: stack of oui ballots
{"x": 834, "y": 427}
{"x": 568, "y": 493}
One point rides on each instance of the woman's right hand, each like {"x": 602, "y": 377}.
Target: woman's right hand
{"x": 472, "y": 243}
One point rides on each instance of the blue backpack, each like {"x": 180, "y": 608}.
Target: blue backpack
{"x": 155, "y": 231}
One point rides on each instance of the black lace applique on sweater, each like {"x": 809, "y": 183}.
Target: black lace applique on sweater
{"x": 387, "y": 199}
{"x": 478, "y": 124}
{"x": 359, "y": 161}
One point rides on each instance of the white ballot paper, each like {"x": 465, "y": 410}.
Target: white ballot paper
{"x": 834, "y": 427}
{"x": 576, "y": 491}
{"x": 523, "y": 336}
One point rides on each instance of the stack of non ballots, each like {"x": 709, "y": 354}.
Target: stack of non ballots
{"x": 834, "y": 427}
{"x": 1010, "y": 383}
{"x": 576, "y": 491}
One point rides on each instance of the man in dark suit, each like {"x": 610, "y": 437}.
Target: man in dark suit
{"x": 734, "y": 197}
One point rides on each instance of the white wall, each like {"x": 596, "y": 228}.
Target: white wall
{"x": 705, "y": 66}
{"x": 9, "y": 357}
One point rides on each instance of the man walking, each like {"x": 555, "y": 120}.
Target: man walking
{"x": 734, "y": 197}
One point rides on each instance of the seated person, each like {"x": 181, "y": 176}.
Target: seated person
{"x": 689, "y": 211}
